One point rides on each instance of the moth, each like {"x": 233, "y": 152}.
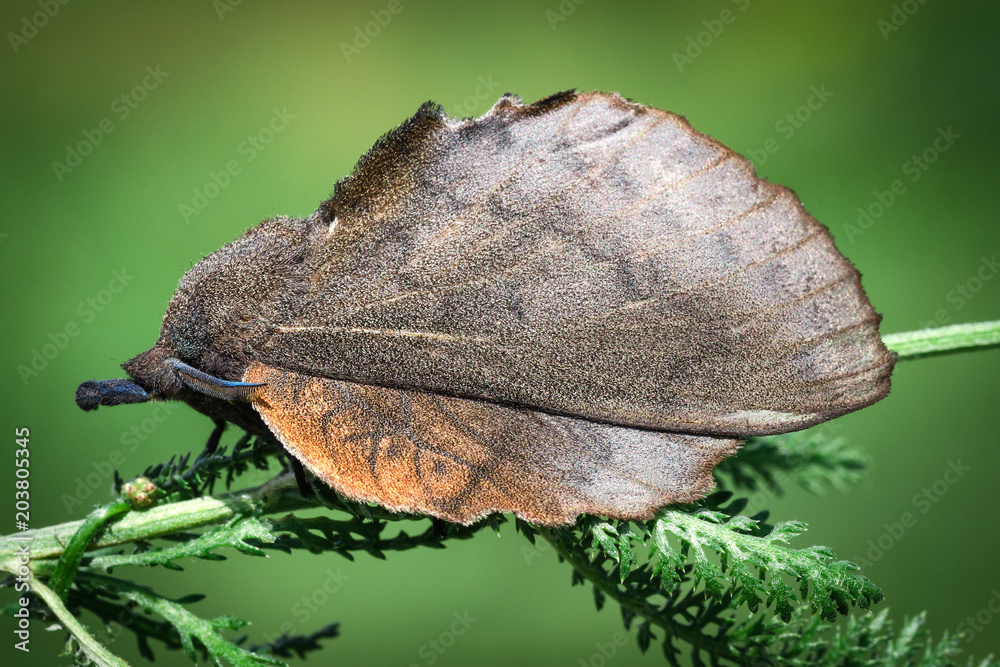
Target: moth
{"x": 580, "y": 305}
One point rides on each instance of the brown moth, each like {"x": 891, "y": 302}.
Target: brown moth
{"x": 580, "y": 305}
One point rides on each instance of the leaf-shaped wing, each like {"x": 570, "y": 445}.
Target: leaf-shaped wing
{"x": 585, "y": 256}
{"x": 460, "y": 459}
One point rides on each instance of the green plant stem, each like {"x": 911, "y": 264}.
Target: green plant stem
{"x": 640, "y": 607}
{"x": 926, "y": 342}
{"x": 91, "y": 647}
{"x": 69, "y": 561}
{"x": 163, "y": 520}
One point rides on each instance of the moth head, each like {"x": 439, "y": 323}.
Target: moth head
{"x": 210, "y": 320}
{"x": 157, "y": 376}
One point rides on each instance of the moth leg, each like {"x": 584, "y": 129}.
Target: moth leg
{"x": 300, "y": 477}
{"x": 215, "y": 437}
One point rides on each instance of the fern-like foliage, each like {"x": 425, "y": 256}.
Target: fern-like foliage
{"x": 705, "y": 563}
{"x": 816, "y": 459}
{"x": 682, "y": 579}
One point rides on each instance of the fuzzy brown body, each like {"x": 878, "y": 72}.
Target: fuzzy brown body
{"x": 551, "y": 306}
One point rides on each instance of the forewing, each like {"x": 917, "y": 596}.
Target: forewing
{"x": 460, "y": 459}
{"x": 584, "y": 256}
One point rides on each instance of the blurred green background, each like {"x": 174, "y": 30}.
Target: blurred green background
{"x": 885, "y": 81}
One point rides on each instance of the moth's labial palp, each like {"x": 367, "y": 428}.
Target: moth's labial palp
{"x": 94, "y": 393}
